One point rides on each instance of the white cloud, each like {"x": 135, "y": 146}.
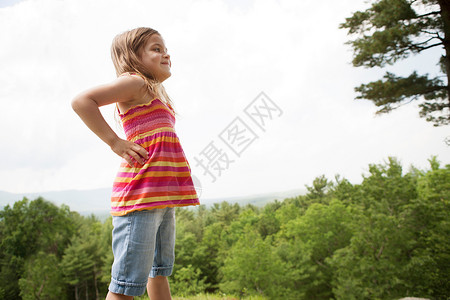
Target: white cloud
{"x": 224, "y": 53}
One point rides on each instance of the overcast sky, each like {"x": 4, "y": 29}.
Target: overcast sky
{"x": 224, "y": 54}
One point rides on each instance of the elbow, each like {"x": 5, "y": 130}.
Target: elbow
{"x": 80, "y": 102}
{"x": 75, "y": 104}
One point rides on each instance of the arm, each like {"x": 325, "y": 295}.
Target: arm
{"x": 86, "y": 105}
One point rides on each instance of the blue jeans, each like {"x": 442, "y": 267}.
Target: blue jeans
{"x": 143, "y": 244}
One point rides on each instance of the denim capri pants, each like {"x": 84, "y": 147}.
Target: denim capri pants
{"x": 143, "y": 244}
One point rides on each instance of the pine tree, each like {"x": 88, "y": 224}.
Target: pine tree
{"x": 392, "y": 30}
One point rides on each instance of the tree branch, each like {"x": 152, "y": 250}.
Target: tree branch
{"x": 41, "y": 288}
{"x": 380, "y": 252}
{"x": 429, "y": 14}
{"x": 385, "y": 110}
{"x": 403, "y": 51}
{"x": 320, "y": 264}
{"x": 424, "y": 42}
{"x": 436, "y": 34}
{"x": 420, "y": 49}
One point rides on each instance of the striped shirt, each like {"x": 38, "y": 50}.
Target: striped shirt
{"x": 165, "y": 178}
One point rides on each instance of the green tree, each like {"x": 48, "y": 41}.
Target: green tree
{"x": 216, "y": 240}
{"x": 225, "y": 212}
{"x": 77, "y": 266}
{"x": 400, "y": 242}
{"x": 317, "y": 193}
{"x": 42, "y": 278}
{"x": 373, "y": 265}
{"x": 268, "y": 224}
{"x": 82, "y": 262}
{"x": 386, "y": 189}
{"x": 108, "y": 258}
{"x": 187, "y": 281}
{"x": 253, "y": 267}
{"x": 190, "y": 257}
{"x": 212, "y": 245}
{"x": 291, "y": 209}
{"x": 26, "y": 229}
{"x": 428, "y": 219}
{"x": 306, "y": 243}
{"x": 391, "y": 30}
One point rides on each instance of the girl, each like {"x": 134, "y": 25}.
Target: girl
{"x": 154, "y": 176}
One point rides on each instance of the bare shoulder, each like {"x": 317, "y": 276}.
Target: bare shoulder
{"x": 132, "y": 77}
{"x": 130, "y": 81}
{"x": 136, "y": 84}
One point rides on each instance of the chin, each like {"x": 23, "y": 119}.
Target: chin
{"x": 164, "y": 78}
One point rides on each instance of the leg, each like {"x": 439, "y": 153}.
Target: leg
{"x": 114, "y": 296}
{"x": 158, "y": 284}
{"x": 158, "y": 288}
{"x": 133, "y": 248}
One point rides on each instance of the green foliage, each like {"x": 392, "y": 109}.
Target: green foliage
{"x": 428, "y": 218}
{"x": 187, "y": 281}
{"x": 385, "y": 238}
{"x": 318, "y": 191}
{"x": 108, "y": 257}
{"x": 208, "y": 297}
{"x": 308, "y": 241}
{"x": 252, "y": 267}
{"x": 391, "y": 30}
{"x": 82, "y": 261}
{"x": 386, "y": 258}
{"x": 393, "y": 90}
{"x": 42, "y": 278}
{"x": 26, "y": 229}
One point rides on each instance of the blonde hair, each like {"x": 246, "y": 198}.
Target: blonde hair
{"x": 125, "y": 50}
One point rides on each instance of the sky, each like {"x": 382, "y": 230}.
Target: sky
{"x": 285, "y": 61}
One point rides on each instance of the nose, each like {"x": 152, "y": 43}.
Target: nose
{"x": 167, "y": 56}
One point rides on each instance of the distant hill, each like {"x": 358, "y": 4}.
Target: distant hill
{"x": 256, "y": 199}
{"x": 97, "y": 201}
{"x": 82, "y": 201}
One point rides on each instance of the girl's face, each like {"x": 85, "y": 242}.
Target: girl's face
{"x": 155, "y": 58}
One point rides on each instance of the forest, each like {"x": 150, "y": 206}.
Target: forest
{"x": 387, "y": 237}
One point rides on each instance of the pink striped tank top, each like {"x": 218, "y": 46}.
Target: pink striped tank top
{"x": 165, "y": 178}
